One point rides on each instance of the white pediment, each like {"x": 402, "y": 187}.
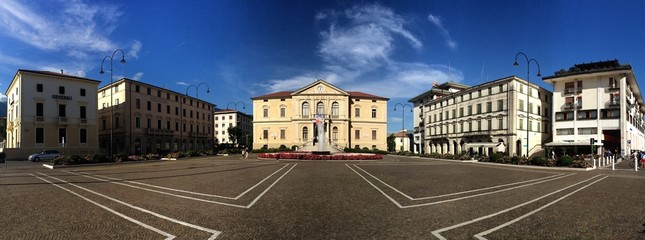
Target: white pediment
{"x": 320, "y": 87}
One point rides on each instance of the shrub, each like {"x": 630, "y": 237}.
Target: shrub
{"x": 68, "y": 160}
{"x": 515, "y": 160}
{"x": 100, "y": 158}
{"x": 282, "y": 147}
{"x": 294, "y": 147}
{"x": 565, "y": 161}
{"x": 580, "y": 164}
{"x": 484, "y": 159}
{"x": 152, "y": 156}
{"x": 496, "y": 156}
{"x": 538, "y": 161}
{"x": 135, "y": 158}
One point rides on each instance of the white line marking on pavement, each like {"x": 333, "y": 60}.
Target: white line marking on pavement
{"x": 454, "y": 199}
{"x": 378, "y": 189}
{"x": 167, "y": 235}
{"x": 191, "y": 198}
{"x": 457, "y": 193}
{"x": 214, "y": 232}
{"x": 184, "y": 191}
{"x": 437, "y": 233}
{"x": 482, "y": 234}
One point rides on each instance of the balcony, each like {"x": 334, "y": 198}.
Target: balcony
{"x": 477, "y": 133}
{"x": 572, "y": 106}
{"x": 156, "y": 131}
{"x": 39, "y": 119}
{"x": 572, "y": 91}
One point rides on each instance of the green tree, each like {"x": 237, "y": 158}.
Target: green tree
{"x": 235, "y": 133}
{"x": 390, "y": 143}
{"x": 3, "y": 128}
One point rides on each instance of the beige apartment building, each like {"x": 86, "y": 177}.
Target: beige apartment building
{"x": 228, "y": 118}
{"x": 151, "y": 119}
{"x": 599, "y": 100}
{"x": 48, "y": 110}
{"x": 320, "y": 113}
{"x": 505, "y": 115}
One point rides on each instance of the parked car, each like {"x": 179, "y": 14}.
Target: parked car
{"x": 44, "y": 155}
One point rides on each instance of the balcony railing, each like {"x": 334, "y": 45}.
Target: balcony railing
{"x": 572, "y": 91}
{"x": 572, "y": 106}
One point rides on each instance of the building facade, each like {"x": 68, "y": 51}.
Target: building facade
{"x": 151, "y": 119}
{"x": 228, "y": 118}
{"x": 599, "y": 100}
{"x": 506, "y": 115}
{"x": 402, "y": 141}
{"x": 47, "y": 110}
{"x": 419, "y": 102}
{"x": 320, "y": 113}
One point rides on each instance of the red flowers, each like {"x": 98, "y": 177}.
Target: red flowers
{"x": 309, "y": 156}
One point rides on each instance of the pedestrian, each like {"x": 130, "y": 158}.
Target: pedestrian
{"x": 552, "y": 155}
{"x": 243, "y": 152}
{"x": 246, "y": 152}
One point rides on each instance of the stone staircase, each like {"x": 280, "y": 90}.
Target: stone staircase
{"x": 327, "y": 147}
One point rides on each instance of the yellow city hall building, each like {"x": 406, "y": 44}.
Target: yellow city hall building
{"x": 320, "y": 116}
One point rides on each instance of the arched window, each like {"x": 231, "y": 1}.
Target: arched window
{"x": 320, "y": 108}
{"x": 334, "y": 133}
{"x": 305, "y": 134}
{"x": 305, "y": 110}
{"x": 334, "y": 109}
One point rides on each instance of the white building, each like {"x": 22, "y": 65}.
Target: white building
{"x": 506, "y": 115}
{"x": 600, "y": 100}
{"x": 228, "y": 118}
{"x": 402, "y": 141}
{"x": 47, "y": 109}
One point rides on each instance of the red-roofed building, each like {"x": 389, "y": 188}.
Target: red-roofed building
{"x": 346, "y": 119}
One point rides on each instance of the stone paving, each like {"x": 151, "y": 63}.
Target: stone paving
{"x": 395, "y": 198}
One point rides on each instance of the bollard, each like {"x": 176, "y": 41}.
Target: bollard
{"x": 613, "y": 163}
{"x": 594, "y": 162}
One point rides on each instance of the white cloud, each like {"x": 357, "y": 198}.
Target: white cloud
{"x": 357, "y": 50}
{"x": 183, "y": 83}
{"x": 137, "y": 76}
{"x": 444, "y": 32}
{"x": 76, "y": 27}
{"x": 133, "y": 52}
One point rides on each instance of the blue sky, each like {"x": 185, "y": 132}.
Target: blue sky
{"x": 241, "y": 49}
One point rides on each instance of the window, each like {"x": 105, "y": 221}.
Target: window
{"x": 61, "y": 110}
{"x": 490, "y": 124}
{"x": 183, "y": 112}
{"x": 530, "y": 109}
{"x": 479, "y": 125}
{"x": 176, "y": 111}
{"x": 283, "y": 111}
{"x": 158, "y": 93}
{"x": 564, "y": 116}
{"x": 373, "y": 113}
{"x": 39, "y": 109}
{"x": 334, "y": 109}
{"x": 136, "y": 88}
{"x": 320, "y": 108}
{"x": 613, "y": 83}
{"x": 83, "y": 135}
{"x": 521, "y": 88}
{"x": 158, "y": 123}
{"x": 149, "y": 106}
{"x": 39, "y": 87}
{"x": 357, "y": 134}
{"x": 103, "y": 93}
{"x": 283, "y": 134}
{"x": 500, "y": 123}
{"x": 167, "y": 109}
{"x": 501, "y": 88}
{"x": 103, "y": 124}
{"x": 305, "y": 110}
{"x": 521, "y": 124}
{"x": 587, "y": 131}
{"x": 357, "y": 112}
{"x": 610, "y": 113}
{"x": 538, "y": 126}
{"x": 83, "y": 111}
{"x": 305, "y": 134}
{"x": 479, "y": 108}
{"x": 116, "y": 88}
{"x": 373, "y": 134}
{"x": 148, "y": 91}
{"x": 137, "y": 103}
{"x": 564, "y": 131}
{"x": 61, "y": 90}
{"x": 116, "y": 122}
{"x": 83, "y": 92}
{"x": 587, "y": 114}
{"x": 490, "y": 90}
{"x": 265, "y": 112}
{"x": 137, "y": 122}
{"x": 470, "y": 110}
{"x": 461, "y": 112}
{"x": 530, "y": 125}
{"x": 500, "y": 105}
{"x": 117, "y": 102}
{"x": 158, "y": 107}
{"x": 148, "y": 123}
{"x": 40, "y": 135}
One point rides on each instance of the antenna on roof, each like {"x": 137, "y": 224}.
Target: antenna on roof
{"x": 449, "y": 72}
{"x": 482, "y": 76}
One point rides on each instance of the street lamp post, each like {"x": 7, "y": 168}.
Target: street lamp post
{"x": 403, "y": 117}
{"x": 528, "y": 88}
{"x": 112, "y": 91}
{"x": 208, "y": 90}
{"x": 235, "y": 105}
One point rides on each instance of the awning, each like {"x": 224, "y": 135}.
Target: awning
{"x": 576, "y": 143}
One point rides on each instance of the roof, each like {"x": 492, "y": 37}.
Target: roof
{"x": 400, "y": 134}
{"x": 150, "y": 85}
{"x": 57, "y": 74}
{"x": 287, "y": 94}
{"x": 592, "y": 67}
{"x": 227, "y": 111}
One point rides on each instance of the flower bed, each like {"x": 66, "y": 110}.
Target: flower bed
{"x": 309, "y": 156}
